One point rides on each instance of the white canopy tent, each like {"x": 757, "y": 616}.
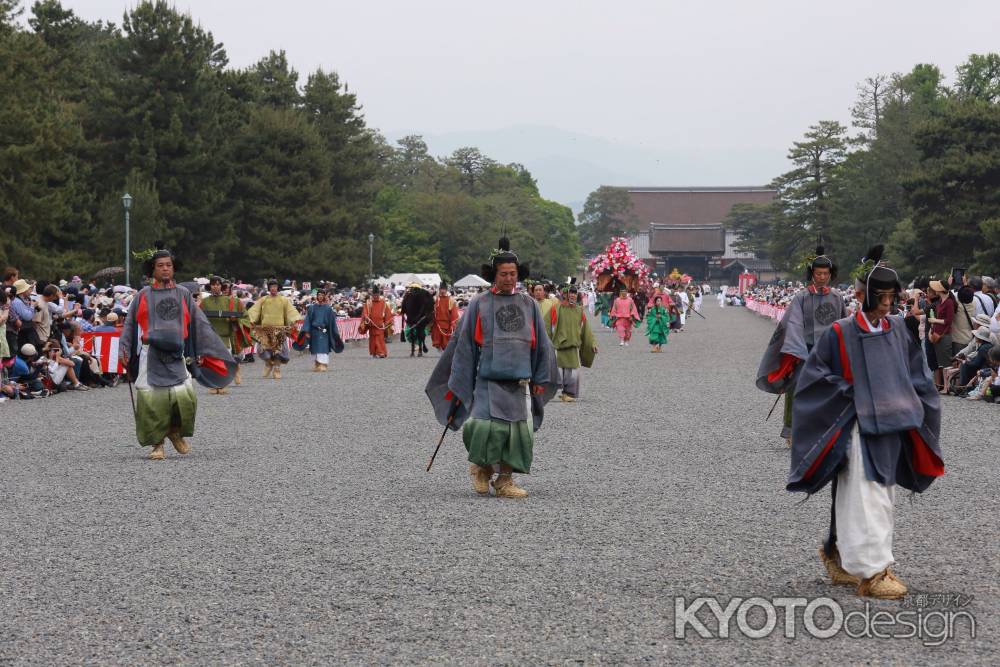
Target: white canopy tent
{"x": 428, "y": 280}
{"x": 471, "y": 280}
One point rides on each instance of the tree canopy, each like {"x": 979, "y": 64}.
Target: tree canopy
{"x": 251, "y": 173}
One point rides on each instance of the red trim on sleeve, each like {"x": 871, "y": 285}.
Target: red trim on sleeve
{"x": 534, "y": 338}
{"x": 142, "y": 317}
{"x": 925, "y": 461}
{"x": 478, "y": 336}
{"x": 822, "y": 455}
{"x": 788, "y": 363}
{"x": 187, "y": 318}
{"x": 214, "y": 364}
{"x": 449, "y": 396}
{"x": 845, "y": 363}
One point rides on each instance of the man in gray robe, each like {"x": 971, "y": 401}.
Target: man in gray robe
{"x": 498, "y": 370}
{"x": 166, "y": 342}
{"x": 807, "y": 317}
{"x": 867, "y": 418}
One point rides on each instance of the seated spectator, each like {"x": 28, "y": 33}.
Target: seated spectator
{"x": 110, "y": 323}
{"x": 27, "y": 371}
{"x": 60, "y": 369}
{"x": 86, "y": 320}
{"x": 976, "y": 359}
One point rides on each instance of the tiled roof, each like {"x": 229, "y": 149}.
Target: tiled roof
{"x": 692, "y": 206}
{"x": 688, "y": 239}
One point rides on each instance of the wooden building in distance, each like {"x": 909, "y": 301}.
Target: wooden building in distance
{"x": 686, "y": 229}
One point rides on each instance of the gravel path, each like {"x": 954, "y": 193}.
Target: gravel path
{"x": 302, "y": 528}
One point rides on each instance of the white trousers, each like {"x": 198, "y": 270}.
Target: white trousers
{"x": 322, "y": 358}
{"x": 864, "y": 517}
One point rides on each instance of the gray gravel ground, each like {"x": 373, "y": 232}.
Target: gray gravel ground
{"x": 302, "y": 528}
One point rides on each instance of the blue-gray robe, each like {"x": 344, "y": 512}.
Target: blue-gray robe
{"x": 500, "y": 340}
{"x": 806, "y": 319}
{"x": 879, "y": 382}
{"x": 321, "y": 325}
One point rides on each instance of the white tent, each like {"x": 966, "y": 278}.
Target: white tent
{"x": 431, "y": 280}
{"x": 471, "y": 280}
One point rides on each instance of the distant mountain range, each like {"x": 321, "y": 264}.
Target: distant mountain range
{"x": 569, "y": 166}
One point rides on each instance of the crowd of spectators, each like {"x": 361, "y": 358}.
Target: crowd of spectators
{"x": 42, "y": 350}
{"x": 957, "y": 325}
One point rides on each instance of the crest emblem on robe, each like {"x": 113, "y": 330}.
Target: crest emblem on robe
{"x": 826, "y": 314}
{"x": 510, "y": 318}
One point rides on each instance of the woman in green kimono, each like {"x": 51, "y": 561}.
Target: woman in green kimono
{"x": 658, "y": 325}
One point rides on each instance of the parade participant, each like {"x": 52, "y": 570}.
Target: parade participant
{"x": 272, "y": 318}
{"x": 165, "y": 342}
{"x": 446, "y": 316}
{"x": 623, "y": 316}
{"x": 320, "y": 328}
{"x": 658, "y": 324}
{"x": 807, "y": 317}
{"x": 692, "y": 297}
{"x": 573, "y": 341}
{"x": 377, "y": 321}
{"x": 224, "y": 312}
{"x": 603, "y": 307}
{"x": 683, "y": 303}
{"x": 722, "y": 297}
{"x": 496, "y": 377}
{"x": 417, "y": 310}
{"x": 867, "y": 418}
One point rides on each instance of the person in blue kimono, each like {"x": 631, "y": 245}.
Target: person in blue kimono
{"x": 320, "y": 328}
{"x": 867, "y": 418}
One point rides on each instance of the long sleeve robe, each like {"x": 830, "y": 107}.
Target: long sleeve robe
{"x": 483, "y": 349}
{"x": 879, "y": 382}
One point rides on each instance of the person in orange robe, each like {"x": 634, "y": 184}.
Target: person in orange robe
{"x": 445, "y": 318}
{"x": 376, "y": 320}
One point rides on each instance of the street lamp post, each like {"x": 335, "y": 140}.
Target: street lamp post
{"x": 371, "y": 256}
{"x": 127, "y": 205}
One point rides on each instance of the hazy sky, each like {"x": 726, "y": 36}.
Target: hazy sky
{"x": 669, "y": 74}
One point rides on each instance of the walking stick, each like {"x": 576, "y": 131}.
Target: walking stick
{"x": 451, "y": 418}
{"x": 131, "y": 396}
{"x": 771, "y": 412}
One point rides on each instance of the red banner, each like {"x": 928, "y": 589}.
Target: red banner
{"x": 103, "y": 346}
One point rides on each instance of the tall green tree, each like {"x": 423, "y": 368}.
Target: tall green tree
{"x": 753, "y": 224}
{"x": 279, "y": 188}
{"x": 804, "y": 192}
{"x": 161, "y": 114}
{"x": 956, "y": 188}
{"x": 606, "y": 213}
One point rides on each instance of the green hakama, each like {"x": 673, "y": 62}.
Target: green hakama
{"x": 492, "y": 440}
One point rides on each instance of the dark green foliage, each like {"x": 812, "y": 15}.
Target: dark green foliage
{"x": 605, "y": 214}
{"x": 242, "y": 172}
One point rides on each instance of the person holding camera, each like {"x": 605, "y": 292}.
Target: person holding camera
{"x": 939, "y": 335}
{"x": 59, "y": 368}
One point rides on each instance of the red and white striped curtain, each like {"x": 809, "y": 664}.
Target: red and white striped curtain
{"x": 766, "y": 309}
{"x": 104, "y": 347}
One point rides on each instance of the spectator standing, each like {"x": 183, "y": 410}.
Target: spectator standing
{"x": 940, "y": 333}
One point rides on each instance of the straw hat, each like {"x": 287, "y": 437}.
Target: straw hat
{"x": 111, "y": 317}
{"x": 938, "y": 286}
{"x": 21, "y": 286}
{"x": 28, "y": 350}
